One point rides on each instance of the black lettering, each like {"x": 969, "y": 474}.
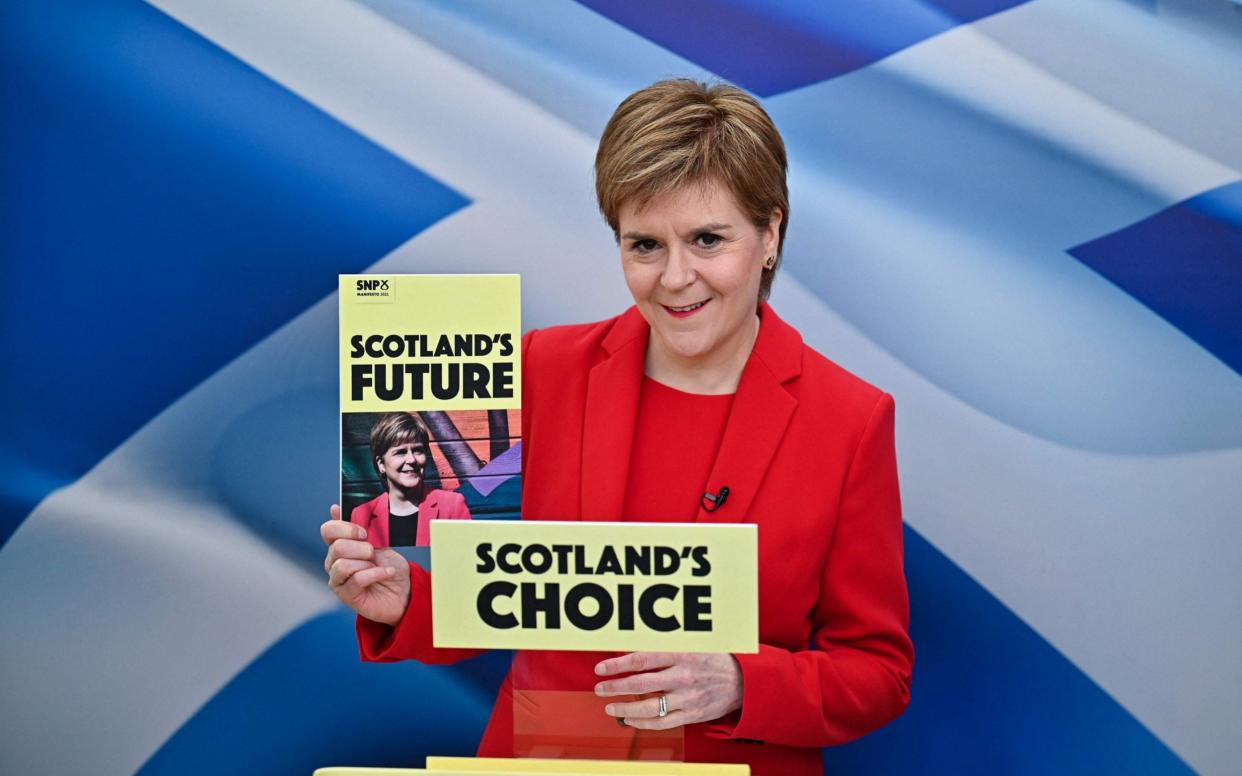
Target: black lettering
{"x": 418, "y": 376}
{"x": 385, "y": 389}
{"x": 502, "y": 558}
{"x": 625, "y": 607}
{"x": 562, "y": 557}
{"x": 533, "y": 566}
{"x": 638, "y": 560}
{"x": 608, "y": 562}
{"x": 355, "y": 346}
{"x": 573, "y": 606}
{"x": 533, "y": 604}
{"x": 697, "y": 606}
{"x": 373, "y": 346}
{"x": 359, "y": 378}
{"x": 580, "y": 564}
{"x": 646, "y": 606}
{"x": 444, "y": 347}
{"x": 463, "y": 345}
{"x": 486, "y": 564}
{"x": 475, "y": 381}
{"x": 486, "y": 604}
{"x": 483, "y": 344}
{"x": 703, "y": 566}
{"x": 394, "y": 345}
{"x": 506, "y": 345}
{"x": 502, "y": 380}
{"x": 667, "y": 561}
{"x": 441, "y": 387}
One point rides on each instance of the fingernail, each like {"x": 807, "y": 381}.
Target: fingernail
{"x": 599, "y": 668}
{"x": 611, "y": 710}
{"x": 599, "y": 689}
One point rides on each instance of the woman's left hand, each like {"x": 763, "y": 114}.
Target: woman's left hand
{"x": 696, "y": 687}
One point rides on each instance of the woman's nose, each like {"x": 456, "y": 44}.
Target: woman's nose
{"x": 677, "y": 270}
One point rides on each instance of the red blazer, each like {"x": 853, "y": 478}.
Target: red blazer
{"x": 436, "y": 505}
{"x": 808, "y": 455}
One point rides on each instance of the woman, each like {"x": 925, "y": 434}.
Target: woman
{"x": 650, "y": 415}
{"x": 401, "y": 516}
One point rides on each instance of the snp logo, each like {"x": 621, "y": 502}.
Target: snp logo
{"x": 373, "y": 290}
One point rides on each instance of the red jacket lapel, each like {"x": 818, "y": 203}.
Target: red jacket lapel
{"x": 761, "y": 411}
{"x": 611, "y": 406}
{"x": 377, "y": 530}
{"x": 428, "y": 510}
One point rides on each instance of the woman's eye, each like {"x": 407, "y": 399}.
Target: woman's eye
{"x": 708, "y": 240}
{"x": 643, "y": 246}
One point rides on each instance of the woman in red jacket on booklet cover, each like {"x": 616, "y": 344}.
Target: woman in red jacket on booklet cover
{"x": 697, "y": 387}
{"x": 401, "y": 516}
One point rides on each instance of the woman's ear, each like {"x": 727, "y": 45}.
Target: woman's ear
{"x": 772, "y": 233}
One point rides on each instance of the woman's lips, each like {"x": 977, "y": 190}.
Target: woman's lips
{"x": 686, "y": 311}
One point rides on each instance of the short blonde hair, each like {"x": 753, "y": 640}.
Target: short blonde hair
{"x": 393, "y": 429}
{"x": 682, "y": 132}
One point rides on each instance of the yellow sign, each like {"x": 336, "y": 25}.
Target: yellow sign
{"x": 670, "y": 587}
{"x": 582, "y": 767}
{"x": 457, "y": 766}
{"x": 430, "y": 342}
{"x": 352, "y": 771}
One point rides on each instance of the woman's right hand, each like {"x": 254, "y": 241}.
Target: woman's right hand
{"x": 375, "y": 583}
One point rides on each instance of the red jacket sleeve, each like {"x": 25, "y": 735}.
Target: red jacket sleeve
{"x": 857, "y": 676}
{"x": 456, "y": 507}
{"x": 411, "y": 637}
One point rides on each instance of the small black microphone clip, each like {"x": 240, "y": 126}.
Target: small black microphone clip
{"x": 714, "y": 501}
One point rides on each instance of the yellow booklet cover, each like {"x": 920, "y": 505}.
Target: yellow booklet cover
{"x": 430, "y": 387}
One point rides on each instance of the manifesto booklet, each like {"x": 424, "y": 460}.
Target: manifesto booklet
{"x": 431, "y": 386}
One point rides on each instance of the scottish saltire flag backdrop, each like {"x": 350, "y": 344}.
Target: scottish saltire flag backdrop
{"x": 1024, "y": 219}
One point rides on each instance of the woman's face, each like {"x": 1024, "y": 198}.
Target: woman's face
{"x": 403, "y": 465}
{"x": 693, "y": 261}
